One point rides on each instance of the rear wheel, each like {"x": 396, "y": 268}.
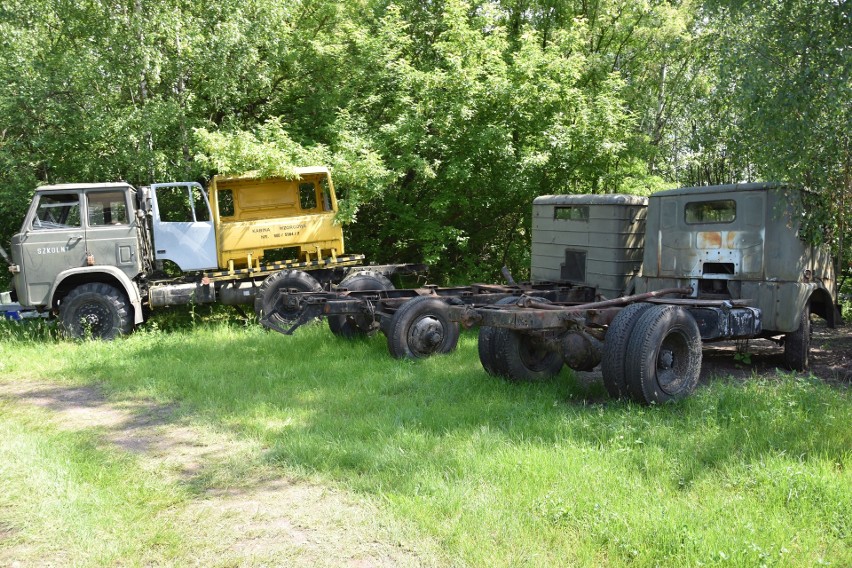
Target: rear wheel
{"x": 615, "y": 348}
{"x": 797, "y": 344}
{"x": 485, "y": 343}
{"x": 663, "y": 359}
{"x": 95, "y": 311}
{"x": 359, "y": 325}
{"x": 514, "y": 355}
{"x": 269, "y": 302}
{"x": 521, "y": 357}
{"x": 421, "y": 327}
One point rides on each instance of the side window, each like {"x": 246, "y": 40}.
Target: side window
{"x": 722, "y": 211}
{"x": 571, "y": 213}
{"x": 57, "y": 211}
{"x": 174, "y": 205}
{"x": 107, "y": 208}
{"x": 225, "y": 198}
{"x": 308, "y": 196}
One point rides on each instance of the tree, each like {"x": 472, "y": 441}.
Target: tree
{"x": 785, "y": 73}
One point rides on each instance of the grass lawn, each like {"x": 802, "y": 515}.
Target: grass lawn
{"x": 498, "y": 474}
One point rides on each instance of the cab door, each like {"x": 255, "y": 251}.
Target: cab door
{"x": 183, "y": 226}
{"x": 111, "y": 233}
{"x": 51, "y": 240}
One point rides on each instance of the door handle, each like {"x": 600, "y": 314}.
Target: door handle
{"x": 73, "y": 239}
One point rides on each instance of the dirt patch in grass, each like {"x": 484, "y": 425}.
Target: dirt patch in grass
{"x": 241, "y": 515}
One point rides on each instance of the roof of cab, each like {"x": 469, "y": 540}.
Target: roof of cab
{"x": 729, "y": 188}
{"x": 75, "y": 186}
{"x": 306, "y": 171}
{"x": 607, "y": 199}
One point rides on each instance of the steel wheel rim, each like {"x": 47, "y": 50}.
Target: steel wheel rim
{"x": 533, "y": 356}
{"x": 672, "y": 363}
{"x": 94, "y": 319}
{"x": 425, "y": 335}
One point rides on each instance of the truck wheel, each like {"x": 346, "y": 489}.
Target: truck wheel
{"x": 518, "y": 357}
{"x": 485, "y": 343}
{"x": 360, "y": 325}
{"x": 96, "y": 311}
{"x": 615, "y": 348}
{"x": 268, "y": 299}
{"x": 421, "y": 327}
{"x": 663, "y": 359}
{"x": 797, "y": 344}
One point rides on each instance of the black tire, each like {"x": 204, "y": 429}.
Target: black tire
{"x": 359, "y": 326}
{"x": 421, "y": 327}
{"x": 95, "y": 311}
{"x": 615, "y": 349}
{"x": 517, "y": 357}
{"x": 268, "y": 298}
{"x": 514, "y": 355}
{"x": 797, "y": 344}
{"x": 485, "y": 343}
{"x": 663, "y": 359}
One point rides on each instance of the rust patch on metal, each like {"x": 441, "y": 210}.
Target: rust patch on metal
{"x": 709, "y": 240}
{"x": 733, "y": 237}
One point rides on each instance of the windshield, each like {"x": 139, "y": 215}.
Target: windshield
{"x": 57, "y": 211}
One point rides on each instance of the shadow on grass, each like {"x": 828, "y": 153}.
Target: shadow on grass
{"x": 326, "y": 404}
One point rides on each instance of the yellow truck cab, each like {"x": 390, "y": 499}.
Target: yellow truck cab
{"x": 244, "y": 218}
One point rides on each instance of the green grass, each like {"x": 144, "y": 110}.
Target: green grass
{"x": 499, "y": 474}
{"x": 62, "y": 497}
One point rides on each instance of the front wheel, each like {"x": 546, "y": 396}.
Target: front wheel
{"x": 95, "y": 311}
{"x": 663, "y": 358}
{"x": 421, "y": 327}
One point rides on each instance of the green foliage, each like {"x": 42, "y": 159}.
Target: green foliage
{"x": 483, "y": 121}
{"x": 268, "y": 151}
{"x": 785, "y": 78}
{"x": 440, "y": 120}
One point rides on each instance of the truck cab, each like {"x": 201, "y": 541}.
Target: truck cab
{"x": 739, "y": 242}
{"x": 717, "y": 263}
{"x": 245, "y": 218}
{"x": 68, "y": 231}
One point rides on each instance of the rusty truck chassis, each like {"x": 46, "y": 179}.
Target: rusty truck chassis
{"x": 381, "y": 305}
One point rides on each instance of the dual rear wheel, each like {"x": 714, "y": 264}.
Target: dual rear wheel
{"x": 652, "y": 354}
{"x": 517, "y": 356}
{"x": 352, "y": 326}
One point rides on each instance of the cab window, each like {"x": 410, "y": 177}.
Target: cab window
{"x": 107, "y": 208}
{"x": 181, "y": 204}
{"x": 225, "y": 199}
{"x": 571, "y": 213}
{"x": 722, "y": 211}
{"x": 57, "y": 211}
{"x": 307, "y": 196}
